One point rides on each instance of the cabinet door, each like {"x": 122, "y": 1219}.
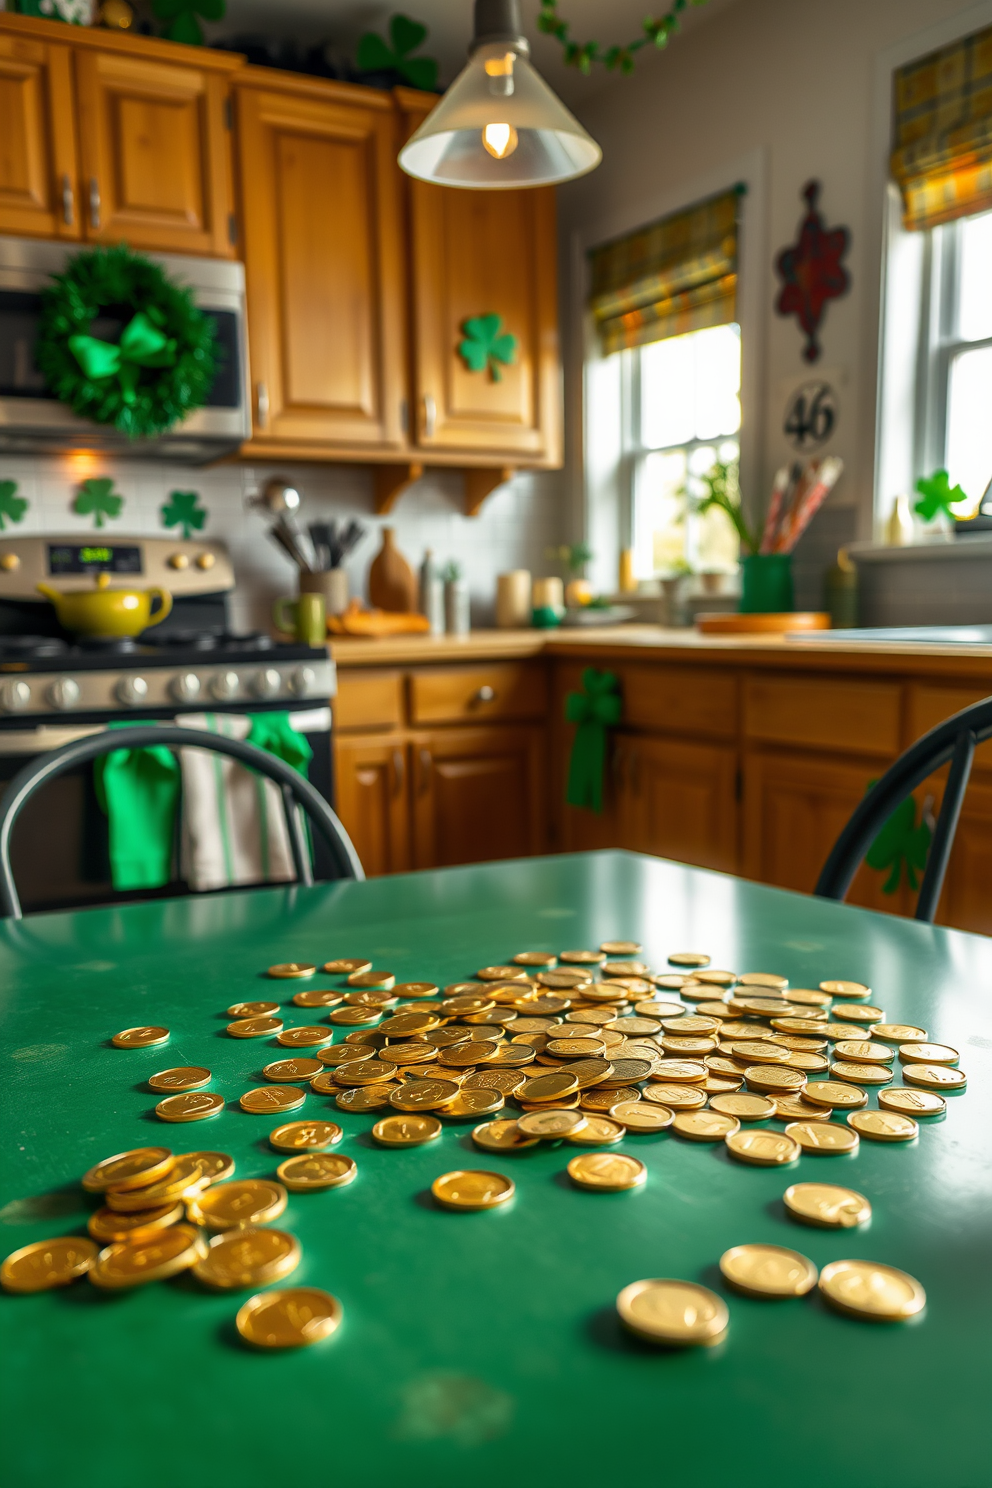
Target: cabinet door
{"x": 479, "y": 794}
{"x": 156, "y": 154}
{"x": 479, "y": 253}
{"x": 373, "y": 800}
{"x": 794, "y": 809}
{"x": 678, "y": 800}
{"x": 38, "y": 167}
{"x": 323, "y": 256}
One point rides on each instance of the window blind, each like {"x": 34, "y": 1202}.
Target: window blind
{"x": 942, "y": 137}
{"x": 675, "y": 275}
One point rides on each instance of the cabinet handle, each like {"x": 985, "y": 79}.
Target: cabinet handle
{"x": 94, "y": 202}
{"x": 262, "y": 404}
{"x": 484, "y": 694}
{"x": 399, "y": 771}
{"x": 426, "y": 765}
{"x": 430, "y": 416}
{"x": 68, "y": 205}
{"x": 404, "y": 416}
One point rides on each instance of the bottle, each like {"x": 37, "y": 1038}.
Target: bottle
{"x": 432, "y": 593}
{"x": 456, "y": 601}
{"x": 899, "y": 531}
{"x": 392, "y": 582}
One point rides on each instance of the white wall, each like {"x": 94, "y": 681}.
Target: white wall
{"x": 806, "y": 84}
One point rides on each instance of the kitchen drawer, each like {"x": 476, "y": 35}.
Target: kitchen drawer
{"x": 854, "y": 717}
{"x": 478, "y": 694}
{"x": 368, "y": 700}
{"x": 929, "y": 706}
{"x": 680, "y": 700}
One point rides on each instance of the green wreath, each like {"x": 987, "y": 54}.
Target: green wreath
{"x": 161, "y": 368}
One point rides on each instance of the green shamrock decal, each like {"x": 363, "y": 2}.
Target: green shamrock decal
{"x": 181, "y": 18}
{"x": 12, "y": 506}
{"x": 902, "y": 843}
{"x": 938, "y": 496}
{"x": 485, "y": 345}
{"x": 97, "y": 499}
{"x": 375, "y": 56}
{"x": 181, "y": 510}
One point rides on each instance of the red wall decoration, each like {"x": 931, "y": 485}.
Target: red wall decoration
{"x": 811, "y": 271}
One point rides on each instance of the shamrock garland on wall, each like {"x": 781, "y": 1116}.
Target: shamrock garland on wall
{"x": 485, "y": 345}
{"x": 582, "y": 55}
{"x": 12, "y": 506}
{"x": 183, "y": 510}
{"x": 97, "y": 498}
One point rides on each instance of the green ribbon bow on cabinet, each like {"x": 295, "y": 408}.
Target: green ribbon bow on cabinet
{"x": 594, "y": 710}
{"x": 142, "y": 344}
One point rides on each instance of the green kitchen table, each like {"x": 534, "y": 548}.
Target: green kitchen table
{"x": 483, "y": 1349}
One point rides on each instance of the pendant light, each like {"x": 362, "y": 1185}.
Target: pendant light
{"x": 499, "y": 126}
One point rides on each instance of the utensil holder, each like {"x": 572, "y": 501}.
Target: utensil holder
{"x": 332, "y": 584}
{"x": 767, "y": 588}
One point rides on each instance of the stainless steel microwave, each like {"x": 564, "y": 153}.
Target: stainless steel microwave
{"x": 33, "y": 422}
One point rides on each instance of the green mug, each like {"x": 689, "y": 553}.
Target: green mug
{"x": 303, "y": 618}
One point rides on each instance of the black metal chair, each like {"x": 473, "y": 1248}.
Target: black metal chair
{"x": 955, "y": 739}
{"x": 296, "y": 792}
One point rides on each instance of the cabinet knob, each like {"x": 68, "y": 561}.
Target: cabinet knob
{"x": 430, "y": 416}
{"x": 484, "y": 694}
{"x": 261, "y": 404}
{"x": 95, "y": 202}
{"x": 68, "y": 205}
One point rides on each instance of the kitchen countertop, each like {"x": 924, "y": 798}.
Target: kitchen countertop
{"x": 647, "y": 642}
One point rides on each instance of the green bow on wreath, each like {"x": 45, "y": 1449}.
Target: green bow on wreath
{"x": 141, "y": 345}
{"x": 594, "y": 710}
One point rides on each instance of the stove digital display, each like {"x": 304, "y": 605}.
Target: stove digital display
{"x": 84, "y": 558}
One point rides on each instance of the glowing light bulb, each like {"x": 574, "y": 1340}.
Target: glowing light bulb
{"x": 500, "y": 140}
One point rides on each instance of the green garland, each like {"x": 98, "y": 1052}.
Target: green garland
{"x": 583, "y": 54}
{"x": 160, "y": 370}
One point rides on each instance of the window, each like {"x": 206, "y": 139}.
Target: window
{"x": 682, "y": 414}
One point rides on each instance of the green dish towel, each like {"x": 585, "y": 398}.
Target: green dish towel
{"x": 139, "y": 790}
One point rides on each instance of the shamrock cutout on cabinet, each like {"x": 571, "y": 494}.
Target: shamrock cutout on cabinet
{"x": 97, "y": 498}
{"x": 485, "y": 345}
{"x": 183, "y": 510}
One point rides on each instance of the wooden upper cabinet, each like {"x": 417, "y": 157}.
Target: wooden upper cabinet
{"x": 38, "y": 167}
{"x": 324, "y": 261}
{"x": 476, "y": 253}
{"x": 155, "y": 153}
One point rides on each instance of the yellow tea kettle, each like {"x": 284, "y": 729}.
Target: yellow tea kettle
{"x": 106, "y": 614}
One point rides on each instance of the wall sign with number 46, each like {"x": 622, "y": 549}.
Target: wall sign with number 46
{"x": 810, "y": 415}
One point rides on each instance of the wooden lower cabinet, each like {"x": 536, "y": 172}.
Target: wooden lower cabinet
{"x": 478, "y": 794}
{"x": 373, "y": 799}
{"x": 678, "y": 799}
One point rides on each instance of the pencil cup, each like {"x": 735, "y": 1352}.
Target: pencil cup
{"x": 767, "y": 587}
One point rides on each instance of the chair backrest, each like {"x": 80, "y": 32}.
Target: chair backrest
{"x": 294, "y": 790}
{"x": 955, "y": 739}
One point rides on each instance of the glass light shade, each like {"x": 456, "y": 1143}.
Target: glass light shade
{"x": 499, "y": 127}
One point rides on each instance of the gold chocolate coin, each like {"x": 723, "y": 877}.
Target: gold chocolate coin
{"x": 365, "y": 1072}
{"x": 155, "y": 1258}
{"x": 354, "y": 1017}
{"x": 835, "y": 1094}
{"x": 810, "y": 997}
{"x": 305, "y": 1136}
{"x": 146, "y": 1037}
{"x": 501, "y": 974}
{"x": 341, "y": 1053}
{"x": 289, "y": 1318}
{"x": 884, "y": 1126}
{"x": 551, "y": 1124}
{"x": 346, "y": 966}
{"x": 135, "y": 1169}
{"x": 676, "y": 1097}
{"x": 315, "y": 997}
{"x": 822, "y": 1137}
{"x": 502, "y": 1135}
{"x": 642, "y": 1116}
{"x": 548, "y": 1087}
{"x": 468, "y": 1105}
{"x": 415, "y": 989}
{"x": 767, "y": 1271}
{"x": 111, "y": 1228}
{"x": 424, "y": 1095}
{"x": 247, "y": 1257}
{"x": 689, "y": 958}
{"x": 253, "y": 1027}
{"x": 763, "y": 979}
{"x": 214, "y": 1166}
{"x": 912, "y": 1102}
{"x": 827, "y": 1206}
{"x": 794, "y": 1108}
{"x": 704, "y": 1126}
{"x": 291, "y": 970}
{"x": 744, "y": 1107}
{"x": 773, "y": 1078}
{"x": 599, "y": 1131}
{"x": 304, "y": 1038}
{"x": 196, "y": 1105}
{"x": 602, "y": 1100}
{"x": 252, "y": 1009}
{"x": 506, "y": 1081}
{"x": 764, "y": 1149}
{"x": 270, "y": 1100}
{"x": 406, "y": 1131}
{"x": 760, "y": 1051}
{"x": 183, "y": 1180}
{"x": 244, "y": 1201}
{"x": 311, "y": 1171}
{"x": 407, "y": 1025}
{"x": 917, "y": 1053}
{"x": 867, "y": 1289}
{"x": 934, "y": 1076}
{"x": 534, "y": 958}
{"x": 674, "y": 1313}
{"x": 47, "y": 1264}
{"x": 582, "y": 958}
{"x": 472, "y": 1189}
{"x": 284, "y": 1071}
{"x": 185, "y": 1077}
{"x": 845, "y": 989}
{"x": 564, "y": 980}
{"x": 620, "y": 947}
{"x": 899, "y": 1033}
{"x": 365, "y": 1098}
{"x": 606, "y": 1172}
{"x": 864, "y": 1051}
{"x": 861, "y": 1074}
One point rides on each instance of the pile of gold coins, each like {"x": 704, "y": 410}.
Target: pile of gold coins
{"x": 584, "y": 1047}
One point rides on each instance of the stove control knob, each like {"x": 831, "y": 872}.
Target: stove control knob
{"x": 9, "y": 562}
{"x": 224, "y": 686}
{"x": 185, "y": 688}
{"x": 178, "y": 560}
{"x": 266, "y": 684}
{"x": 302, "y": 681}
{"x": 131, "y": 691}
{"x": 205, "y": 561}
{"x": 63, "y": 693}
{"x": 14, "y": 696}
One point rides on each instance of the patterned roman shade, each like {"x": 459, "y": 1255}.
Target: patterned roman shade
{"x": 675, "y": 275}
{"x": 942, "y": 156}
